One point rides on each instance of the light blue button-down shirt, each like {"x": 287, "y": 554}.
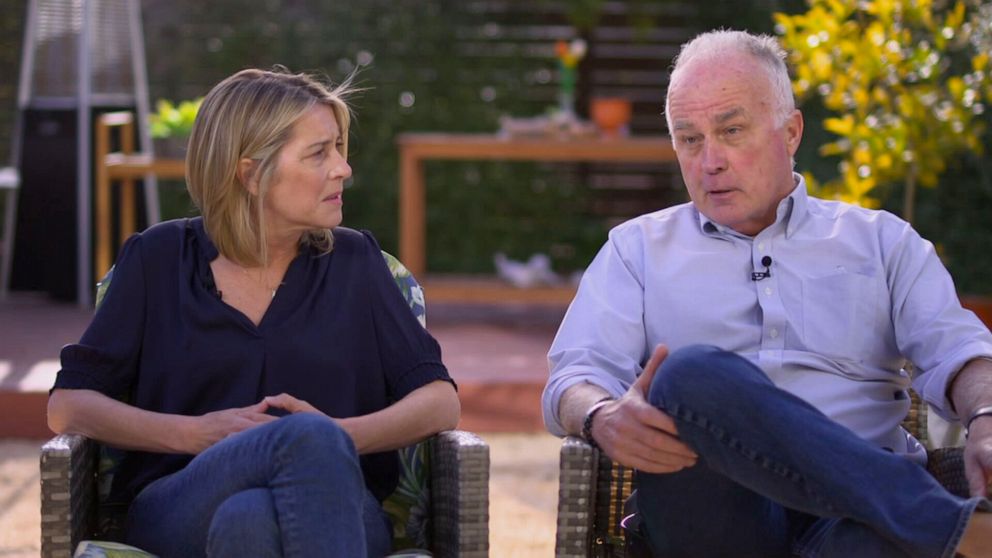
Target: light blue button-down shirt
{"x": 852, "y": 295}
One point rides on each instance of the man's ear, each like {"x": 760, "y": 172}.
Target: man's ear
{"x": 793, "y": 131}
{"x": 247, "y": 169}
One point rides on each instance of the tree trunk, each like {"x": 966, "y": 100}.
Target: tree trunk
{"x": 909, "y": 195}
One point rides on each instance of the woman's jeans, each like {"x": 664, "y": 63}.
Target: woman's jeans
{"x": 776, "y": 477}
{"x": 291, "y": 487}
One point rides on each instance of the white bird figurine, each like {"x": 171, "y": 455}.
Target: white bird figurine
{"x": 534, "y": 272}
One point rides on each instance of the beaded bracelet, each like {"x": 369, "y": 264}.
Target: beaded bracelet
{"x": 587, "y": 422}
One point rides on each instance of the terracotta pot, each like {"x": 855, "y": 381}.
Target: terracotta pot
{"x": 171, "y": 147}
{"x": 981, "y": 306}
{"x": 610, "y": 114}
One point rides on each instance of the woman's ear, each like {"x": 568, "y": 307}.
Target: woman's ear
{"x": 246, "y": 174}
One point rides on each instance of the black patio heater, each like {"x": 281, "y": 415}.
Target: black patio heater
{"x": 80, "y": 58}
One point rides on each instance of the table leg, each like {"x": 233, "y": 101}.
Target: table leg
{"x": 413, "y": 226}
{"x": 128, "y": 223}
{"x": 102, "y": 201}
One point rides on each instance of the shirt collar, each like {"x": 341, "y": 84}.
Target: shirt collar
{"x": 207, "y": 247}
{"x": 791, "y": 211}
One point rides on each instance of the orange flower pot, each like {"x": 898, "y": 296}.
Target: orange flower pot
{"x": 610, "y": 114}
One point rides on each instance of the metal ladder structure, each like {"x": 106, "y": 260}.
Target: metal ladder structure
{"x": 85, "y": 56}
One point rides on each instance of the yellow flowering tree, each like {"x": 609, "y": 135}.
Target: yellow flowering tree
{"x": 905, "y": 80}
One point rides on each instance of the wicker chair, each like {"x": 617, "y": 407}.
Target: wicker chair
{"x": 459, "y": 494}
{"x": 592, "y": 490}
{"x": 457, "y": 461}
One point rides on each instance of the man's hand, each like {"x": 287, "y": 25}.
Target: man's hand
{"x": 971, "y": 390}
{"x": 978, "y": 457}
{"x": 206, "y": 430}
{"x": 636, "y": 434}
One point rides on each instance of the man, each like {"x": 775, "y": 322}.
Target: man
{"x": 772, "y": 429}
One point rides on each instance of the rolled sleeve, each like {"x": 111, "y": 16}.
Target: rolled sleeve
{"x": 932, "y": 329}
{"x": 933, "y": 385}
{"x": 602, "y": 338}
{"x": 410, "y": 356}
{"x": 106, "y": 357}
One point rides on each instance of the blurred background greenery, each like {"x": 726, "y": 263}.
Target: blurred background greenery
{"x": 457, "y": 66}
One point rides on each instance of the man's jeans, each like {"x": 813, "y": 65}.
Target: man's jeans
{"x": 291, "y": 487}
{"x": 776, "y": 477}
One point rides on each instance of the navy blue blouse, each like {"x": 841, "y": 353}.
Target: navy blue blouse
{"x": 338, "y": 334}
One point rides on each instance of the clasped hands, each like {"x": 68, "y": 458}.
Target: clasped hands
{"x": 210, "y": 428}
{"x": 636, "y": 434}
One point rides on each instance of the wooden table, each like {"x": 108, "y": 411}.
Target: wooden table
{"x": 415, "y": 148}
{"x": 125, "y": 166}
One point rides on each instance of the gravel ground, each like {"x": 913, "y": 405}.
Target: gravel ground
{"x": 523, "y": 496}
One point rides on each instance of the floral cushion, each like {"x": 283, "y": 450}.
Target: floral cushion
{"x": 412, "y": 291}
{"x": 407, "y": 507}
{"x": 105, "y": 549}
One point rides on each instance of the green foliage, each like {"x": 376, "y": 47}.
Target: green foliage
{"x": 414, "y": 80}
{"x": 903, "y": 84}
{"x": 173, "y": 121}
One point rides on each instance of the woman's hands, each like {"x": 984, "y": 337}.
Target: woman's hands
{"x": 288, "y": 403}
{"x": 213, "y": 427}
{"x": 425, "y": 411}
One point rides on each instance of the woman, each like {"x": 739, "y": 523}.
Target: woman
{"x": 213, "y": 328}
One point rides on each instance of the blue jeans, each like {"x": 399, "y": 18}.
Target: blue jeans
{"x": 291, "y": 487}
{"x": 776, "y": 477}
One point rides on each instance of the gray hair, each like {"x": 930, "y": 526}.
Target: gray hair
{"x": 763, "y": 48}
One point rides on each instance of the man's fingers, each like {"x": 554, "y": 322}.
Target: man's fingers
{"x": 655, "y": 418}
{"x": 639, "y": 410}
{"x": 650, "y": 458}
{"x": 637, "y": 433}
{"x": 658, "y": 356}
{"x": 654, "y": 445}
{"x": 643, "y": 382}
{"x": 978, "y": 484}
{"x": 658, "y": 467}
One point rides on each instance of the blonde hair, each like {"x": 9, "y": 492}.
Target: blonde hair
{"x": 250, "y": 115}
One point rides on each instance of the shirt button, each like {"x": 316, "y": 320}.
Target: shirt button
{"x": 773, "y": 333}
{"x": 768, "y": 290}
{"x": 761, "y": 246}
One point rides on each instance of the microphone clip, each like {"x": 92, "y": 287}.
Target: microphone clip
{"x": 759, "y": 275}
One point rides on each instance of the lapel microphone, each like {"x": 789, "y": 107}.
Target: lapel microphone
{"x": 759, "y": 275}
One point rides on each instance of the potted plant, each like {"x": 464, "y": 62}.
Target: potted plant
{"x": 170, "y": 126}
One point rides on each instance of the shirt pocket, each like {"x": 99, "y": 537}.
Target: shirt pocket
{"x": 840, "y": 314}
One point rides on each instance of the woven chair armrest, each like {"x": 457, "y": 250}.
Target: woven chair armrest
{"x": 576, "y": 498}
{"x": 460, "y": 494}
{"x": 68, "y": 494}
{"x": 947, "y": 466}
